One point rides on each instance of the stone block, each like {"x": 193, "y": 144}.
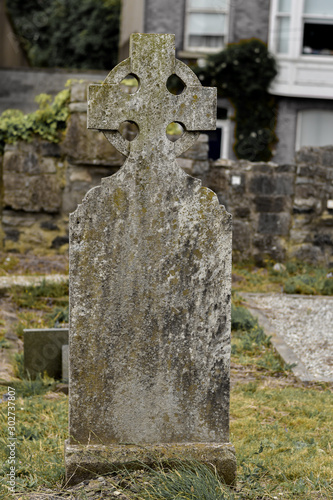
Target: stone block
{"x": 34, "y": 193}
{"x": 289, "y": 168}
{"x": 50, "y": 149}
{"x": 306, "y": 253}
{"x": 273, "y": 204}
{"x": 79, "y": 92}
{"x": 88, "y": 146}
{"x": 327, "y": 157}
{"x": 43, "y": 351}
{"x": 241, "y": 237}
{"x": 268, "y": 246}
{"x": 321, "y": 239}
{"x": 262, "y": 185}
{"x": 85, "y": 462}
{"x": 64, "y": 364}
{"x": 242, "y": 212}
{"x": 308, "y": 155}
{"x": 275, "y": 224}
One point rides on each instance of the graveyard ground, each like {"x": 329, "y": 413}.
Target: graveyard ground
{"x": 280, "y": 427}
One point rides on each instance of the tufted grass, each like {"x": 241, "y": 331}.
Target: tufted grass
{"x": 281, "y": 429}
{"x": 294, "y": 277}
{"x": 282, "y": 437}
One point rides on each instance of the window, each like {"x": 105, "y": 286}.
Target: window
{"x": 318, "y": 27}
{"x": 302, "y": 27}
{"x": 314, "y": 128}
{"x": 206, "y": 24}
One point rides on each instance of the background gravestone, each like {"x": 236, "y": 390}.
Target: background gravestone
{"x": 150, "y": 284}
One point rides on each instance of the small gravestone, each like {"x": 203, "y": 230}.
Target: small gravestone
{"x": 43, "y": 351}
{"x": 150, "y": 284}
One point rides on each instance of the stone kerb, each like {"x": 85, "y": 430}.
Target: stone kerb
{"x": 150, "y": 274}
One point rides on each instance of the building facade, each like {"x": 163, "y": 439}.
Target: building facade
{"x": 298, "y": 32}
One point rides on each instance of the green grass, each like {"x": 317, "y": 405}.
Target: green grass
{"x": 42, "y": 296}
{"x": 294, "y": 277}
{"x": 41, "y": 428}
{"x": 282, "y": 438}
{"x": 281, "y": 429}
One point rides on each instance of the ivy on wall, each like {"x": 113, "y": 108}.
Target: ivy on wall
{"x": 46, "y": 122}
{"x": 67, "y": 33}
{"x": 243, "y": 72}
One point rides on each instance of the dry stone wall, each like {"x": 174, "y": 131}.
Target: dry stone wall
{"x": 279, "y": 211}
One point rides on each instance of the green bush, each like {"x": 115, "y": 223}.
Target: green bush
{"x": 243, "y": 72}
{"x": 68, "y": 33}
{"x": 46, "y": 122}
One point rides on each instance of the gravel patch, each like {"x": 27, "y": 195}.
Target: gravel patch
{"x": 305, "y": 323}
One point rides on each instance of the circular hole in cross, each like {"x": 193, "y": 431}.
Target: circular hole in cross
{"x": 174, "y": 131}
{"x": 175, "y": 85}
{"x": 129, "y": 84}
{"x": 129, "y": 130}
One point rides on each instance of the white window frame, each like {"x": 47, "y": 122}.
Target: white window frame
{"x": 297, "y": 19}
{"x": 204, "y": 49}
{"x": 224, "y": 125}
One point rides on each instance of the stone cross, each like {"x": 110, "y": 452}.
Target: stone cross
{"x": 150, "y": 284}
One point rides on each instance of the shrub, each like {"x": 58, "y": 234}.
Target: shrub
{"x": 243, "y": 72}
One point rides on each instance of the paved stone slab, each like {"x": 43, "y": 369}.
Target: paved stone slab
{"x": 301, "y": 327}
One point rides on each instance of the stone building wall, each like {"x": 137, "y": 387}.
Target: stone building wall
{"x": 279, "y": 211}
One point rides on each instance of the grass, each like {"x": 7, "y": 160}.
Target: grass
{"x": 42, "y": 306}
{"x": 281, "y": 429}
{"x": 282, "y": 438}
{"x": 292, "y": 277}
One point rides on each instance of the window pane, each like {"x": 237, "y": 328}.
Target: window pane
{"x": 284, "y": 5}
{"x": 283, "y": 35}
{"x": 318, "y": 7}
{"x": 316, "y": 128}
{"x": 206, "y": 41}
{"x": 208, "y": 4}
{"x": 206, "y": 24}
{"x": 318, "y": 38}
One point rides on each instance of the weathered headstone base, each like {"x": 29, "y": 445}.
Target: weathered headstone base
{"x": 86, "y": 461}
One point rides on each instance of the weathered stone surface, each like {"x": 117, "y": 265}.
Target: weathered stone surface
{"x": 87, "y": 146}
{"x": 86, "y": 461}
{"x": 43, "y": 351}
{"x": 150, "y": 273}
{"x": 34, "y": 193}
{"x": 270, "y": 223}
{"x": 64, "y": 363}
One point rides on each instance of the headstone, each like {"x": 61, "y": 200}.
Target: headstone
{"x": 43, "y": 351}
{"x": 64, "y": 364}
{"x": 150, "y": 284}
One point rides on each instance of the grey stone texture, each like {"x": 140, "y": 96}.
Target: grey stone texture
{"x": 150, "y": 274}
{"x": 279, "y": 211}
{"x": 19, "y": 86}
{"x": 64, "y": 363}
{"x": 248, "y": 19}
{"x": 288, "y": 108}
{"x": 43, "y": 182}
{"x": 43, "y": 351}
{"x": 165, "y": 16}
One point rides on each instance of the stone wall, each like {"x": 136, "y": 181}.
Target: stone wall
{"x": 279, "y": 211}
{"x": 43, "y": 182}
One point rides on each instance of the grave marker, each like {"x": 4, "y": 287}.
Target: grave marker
{"x": 150, "y": 284}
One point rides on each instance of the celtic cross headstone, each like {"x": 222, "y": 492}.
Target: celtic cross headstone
{"x": 150, "y": 284}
